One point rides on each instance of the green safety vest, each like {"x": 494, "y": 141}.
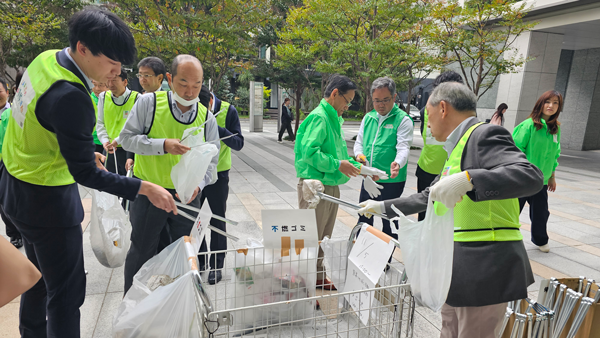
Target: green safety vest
{"x": 3, "y": 124}
{"x": 95, "y": 133}
{"x": 30, "y": 151}
{"x": 115, "y": 115}
{"x": 480, "y": 221}
{"x": 379, "y": 142}
{"x": 432, "y": 156}
{"x": 157, "y": 168}
{"x": 225, "y": 152}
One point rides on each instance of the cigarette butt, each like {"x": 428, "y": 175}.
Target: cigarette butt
{"x": 244, "y": 251}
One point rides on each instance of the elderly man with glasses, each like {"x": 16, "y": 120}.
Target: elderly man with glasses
{"x": 383, "y": 141}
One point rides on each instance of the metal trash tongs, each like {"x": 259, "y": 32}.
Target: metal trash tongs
{"x": 346, "y": 204}
{"x": 193, "y": 219}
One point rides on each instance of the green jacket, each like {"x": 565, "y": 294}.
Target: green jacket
{"x": 541, "y": 148}
{"x": 320, "y": 146}
{"x": 95, "y": 133}
{"x": 3, "y": 125}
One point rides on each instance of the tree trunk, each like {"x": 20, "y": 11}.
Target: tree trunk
{"x": 299, "y": 91}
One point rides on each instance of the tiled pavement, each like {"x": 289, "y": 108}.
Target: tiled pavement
{"x": 263, "y": 177}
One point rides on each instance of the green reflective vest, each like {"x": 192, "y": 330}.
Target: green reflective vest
{"x": 541, "y": 148}
{"x": 30, "y": 151}
{"x": 115, "y": 115}
{"x": 157, "y": 168}
{"x": 432, "y": 156}
{"x": 95, "y": 133}
{"x": 379, "y": 142}
{"x": 480, "y": 221}
{"x": 225, "y": 152}
{"x": 3, "y": 124}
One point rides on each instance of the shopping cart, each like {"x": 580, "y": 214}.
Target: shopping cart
{"x": 287, "y": 305}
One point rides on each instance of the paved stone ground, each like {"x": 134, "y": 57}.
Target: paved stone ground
{"x": 263, "y": 177}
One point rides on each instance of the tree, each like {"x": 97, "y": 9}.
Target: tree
{"x": 362, "y": 39}
{"x": 480, "y": 38}
{"x": 29, "y": 27}
{"x": 219, "y": 33}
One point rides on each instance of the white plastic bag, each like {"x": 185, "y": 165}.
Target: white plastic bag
{"x": 167, "y": 311}
{"x": 110, "y": 230}
{"x": 336, "y": 260}
{"x": 263, "y": 276}
{"x": 428, "y": 251}
{"x": 191, "y": 169}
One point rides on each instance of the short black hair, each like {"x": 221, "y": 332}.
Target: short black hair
{"x": 103, "y": 33}
{"x": 205, "y": 96}
{"x": 4, "y": 84}
{"x": 19, "y": 77}
{"x": 448, "y": 76}
{"x": 123, "y": 74}
{"x": 340, "y": 82}
{"x": 157, "y": 65}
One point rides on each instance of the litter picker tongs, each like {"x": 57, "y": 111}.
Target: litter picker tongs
{"x": 346, "y": 204}
{"x": 215, "y": 229}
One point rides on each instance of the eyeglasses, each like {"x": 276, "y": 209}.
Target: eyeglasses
{"x": 145, "y": 76}
{"x": 386, "y": 101}
{"x": 348, "y": 103}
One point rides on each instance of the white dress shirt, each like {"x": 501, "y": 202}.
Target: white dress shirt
{"x": 100, "y": 128}
{"x": 134, "y": 136}
{"x": 404, "y": 139}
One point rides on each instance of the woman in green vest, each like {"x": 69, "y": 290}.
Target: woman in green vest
{"x": 539, "y": 138}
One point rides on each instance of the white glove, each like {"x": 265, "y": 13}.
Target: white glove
{"x": 370, "y": 207}
{"x": 451, "y": 189}
{"x": 309, "y": 192}
{"x": 371, "y": 187}
{"x": 370, "y": 171}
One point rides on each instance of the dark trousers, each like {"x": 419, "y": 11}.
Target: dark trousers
{"x": 147, "y": 222}
{"x": 216, "y": 194}
{"x": 424, "y": 180}
{"x": 538, "y": 213}
{"x": 11, "y": 229}
{"x": 286, "y": 126}
{"x": 58, "y": 253}
{"x": 121, "y": 160}
{"x": 99, "y": 148}
{"x": 389, "y": 191}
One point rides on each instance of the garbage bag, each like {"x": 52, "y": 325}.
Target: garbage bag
{"x": 164, "y": 300}
{"x": 428, "y": 251}
{"x": 336, "y": 260}
{"x": 110, "y": 230}
{"x": 191, "y": 169}
{"x": 262, "y": 276}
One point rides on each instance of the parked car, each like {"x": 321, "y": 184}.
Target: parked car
{"x": 413, "y": 112}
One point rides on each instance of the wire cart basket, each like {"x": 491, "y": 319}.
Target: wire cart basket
{"x": 262, "y": 295}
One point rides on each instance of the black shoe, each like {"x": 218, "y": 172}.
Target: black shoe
{"x": 211, "y": 277}
{"x": 17, "y": 242}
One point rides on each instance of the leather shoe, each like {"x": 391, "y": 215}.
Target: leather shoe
{"x": 326, "y": 284}
{"x": 214, "y": 277}
{"x": 17, "y": 242}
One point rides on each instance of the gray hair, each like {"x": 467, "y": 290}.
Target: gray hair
{"x": 384, "y": 82}
{"x": 458, "y": 95}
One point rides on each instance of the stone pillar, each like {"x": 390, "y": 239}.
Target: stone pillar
{"x": 521, "y": 90}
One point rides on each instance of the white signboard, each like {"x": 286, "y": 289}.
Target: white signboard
{"x": 201, "y": 226}
{"x": 285, "y": 228}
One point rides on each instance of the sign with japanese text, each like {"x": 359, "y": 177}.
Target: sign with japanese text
{"x": 281, "y": 227}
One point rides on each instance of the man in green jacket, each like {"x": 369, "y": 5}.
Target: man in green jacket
{"x": 322, "y": 155}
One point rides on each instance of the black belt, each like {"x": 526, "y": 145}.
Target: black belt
{"x": 494, "y": 229}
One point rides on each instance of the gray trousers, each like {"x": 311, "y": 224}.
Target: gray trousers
{"x": 471, "y": 322}
{"x": 326, "y": 215}
{"x": 147, "y": 222}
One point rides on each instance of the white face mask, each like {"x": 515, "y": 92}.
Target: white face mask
{"x": 183, "y": 101}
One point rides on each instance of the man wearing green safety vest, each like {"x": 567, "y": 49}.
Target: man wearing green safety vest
{"x": 113, "y": 108}
{"x": 153, "y": 132}
{"x": 322, "y": 158}
{"x": 433, "y": 155}
{"x": 98, "y": 89}
{"x": 216, "y": 194}
{"x": 384, "y": 139}
{"x": 48, "y": 150}
{"x": 482, "y": 180}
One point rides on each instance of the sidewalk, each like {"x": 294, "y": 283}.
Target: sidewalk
{"x": 263, "y": 177}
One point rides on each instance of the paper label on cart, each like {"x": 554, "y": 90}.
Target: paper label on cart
{"x": 200, "y": 226}
{"x": 370, "y": 254}
{"x": 361, "y": 302}
{"x": 293, "y": 225}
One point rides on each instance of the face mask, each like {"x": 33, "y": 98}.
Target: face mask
{"x": 183, "y": 101}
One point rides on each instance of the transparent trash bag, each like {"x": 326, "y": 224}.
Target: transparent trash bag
{"x": 262, "y": 276}
{"x": 336, "y": 260}
{"x": 110, "y": 230}
{"x": 191, "y": 169}
{"x": 164, "y": 300}
{"x": 428, "y": 251}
